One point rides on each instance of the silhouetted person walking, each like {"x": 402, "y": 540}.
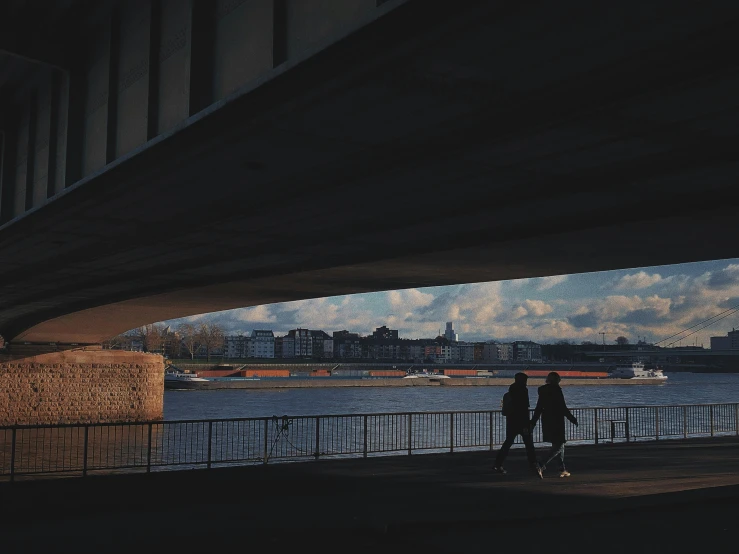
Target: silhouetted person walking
{"x": 516, "y": 412}
{"x": 553, "y": 410}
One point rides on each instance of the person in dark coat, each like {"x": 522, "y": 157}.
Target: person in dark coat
{"x": 553, "y": 410}
{"x": 517, "y": 423}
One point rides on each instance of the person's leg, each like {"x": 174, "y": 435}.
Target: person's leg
{"x": 554, "y": 452}
{"x": 562, "y": 468}
{"x": 503, "y": 452}
{"x": 528, "y": 441}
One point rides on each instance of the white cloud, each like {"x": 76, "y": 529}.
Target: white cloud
{"x": 409, "y": 298}
{"x": 546, "y": 283}
{"x": 321, "y": 313}
{"x": 454, "y": 313}
{"x": 480, "y": 302}
{"x": 640, "y": 280}
{"x": 614, "y": 307}
{"x": 618, "y": 306}
{"x": 538, "y": 307}
{"x": 255, "y": 314}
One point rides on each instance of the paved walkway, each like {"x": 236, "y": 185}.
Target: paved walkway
{"x": 677, "y": 496}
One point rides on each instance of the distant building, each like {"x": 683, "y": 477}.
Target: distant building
{"x": 287, "y": 346}
{"x": 412, "y": 350}
{"x": 462, "y": 352}
{"x": 729, "y": 342}
{"x": 346, "y": 345}
{"x": 467, "y": 352}
{"x": 322, "y": 345}
{"x": 262, "y": 344}
{"x": 440, "y": 352}
{"x": 478, "y": 350}
{"x": 490, "y": 353}
{"x": 304, "y": 343}
{"x": 298, "y": 343}
{"x": 505, "y": 352}
{"x": 449, "y": 334}
{"x": 526, "y": 351}
{"x": 328, "y": 348}
{"x": 236, "y": 347}
{"x": 383, "y": 344}
{"x": 383, "y": 333}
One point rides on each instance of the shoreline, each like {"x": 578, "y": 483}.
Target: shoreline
{"x": 320, "y": 382}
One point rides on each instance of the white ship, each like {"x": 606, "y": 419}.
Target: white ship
{"x": 426, "y": 375}
{"x": 636, "y": 370}
{"x": 175, "y": 379}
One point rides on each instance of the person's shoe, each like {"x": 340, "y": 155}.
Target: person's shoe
{"x": 500, "y": 470}
{"x": 564, "y": 473}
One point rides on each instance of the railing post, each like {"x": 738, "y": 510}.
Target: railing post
{"x": 451, "y": 432}
{"x": 84, "y": 451}
{"x": 148, "y": 452}
{"x": 711, "y": 412}
{"x": 491, "y": 430}
{"x": 12, "y": 456}
{"x": 210, "y": 442}
{"x": 364, "y": 451}
{"x": 410, "y": 434}
{"x": 318, "y": 437}
{"x": 595, "y": 420}
{"x": 656, "y": 423}
{"x": 628, "y": 434}
{"x": 736, "y": 418}
{"x": 266, "y": 431}
{"x": 685, "y": 422}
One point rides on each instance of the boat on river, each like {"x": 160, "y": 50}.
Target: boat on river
{"x": 426, "y": 375}
{"x": 178, "y": 379}
{"x": 636, "y": 370}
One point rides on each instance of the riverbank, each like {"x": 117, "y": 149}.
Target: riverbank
{"x": 327, "y": 382}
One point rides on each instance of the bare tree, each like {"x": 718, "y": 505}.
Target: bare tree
{"x": 189, "y": 336}
{"x": 152, "y": 337}
{"x": 621, "y": 341}
{"x": 211, "y": 336}
{"x": 119, "y": 342}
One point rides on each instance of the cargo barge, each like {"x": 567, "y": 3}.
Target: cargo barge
{"x": 261, "y": 378}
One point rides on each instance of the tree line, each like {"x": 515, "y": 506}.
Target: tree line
{"x": 188, "y": 339}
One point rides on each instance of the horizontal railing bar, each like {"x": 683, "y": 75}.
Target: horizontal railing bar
{"x": 374, "y": 414}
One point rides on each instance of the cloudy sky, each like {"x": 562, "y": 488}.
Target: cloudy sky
{"x": 650, "y": 303}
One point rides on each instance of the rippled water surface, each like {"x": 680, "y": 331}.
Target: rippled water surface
{"x": 680, "y": 388}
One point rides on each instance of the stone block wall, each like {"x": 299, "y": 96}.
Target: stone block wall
{"x": 81, "y": 386}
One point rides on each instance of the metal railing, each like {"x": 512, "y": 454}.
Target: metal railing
{"x": 162, "y": 445}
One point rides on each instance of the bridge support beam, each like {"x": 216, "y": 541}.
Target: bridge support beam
{"x": 80, "y": 386}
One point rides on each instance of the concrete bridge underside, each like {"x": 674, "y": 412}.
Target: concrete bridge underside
{"x": 400, "y": 144}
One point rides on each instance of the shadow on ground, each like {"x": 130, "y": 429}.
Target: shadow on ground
{"x": 676, "y": 497}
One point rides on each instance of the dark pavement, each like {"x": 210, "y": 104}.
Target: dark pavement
{"x": 671, "y": 496}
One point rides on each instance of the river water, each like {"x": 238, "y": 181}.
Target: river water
{"x": 680, "y": 388}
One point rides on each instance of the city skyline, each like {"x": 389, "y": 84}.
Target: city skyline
{"x": 648, "y": 303}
